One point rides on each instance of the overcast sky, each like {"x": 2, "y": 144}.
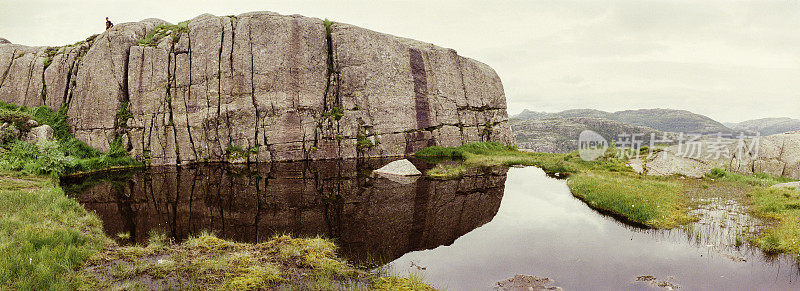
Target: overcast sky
{"x": 731, "y": 61}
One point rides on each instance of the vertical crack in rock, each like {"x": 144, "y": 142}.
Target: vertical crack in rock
{"x": 220, "y": 149}
{"x": 294, "y": 89}
{"x": 67, "y": 85}
{"x": 464, "y": 138}
{"x": 72, "y": 77}
{"x": 188, "y": 96}
{"x": 145, "y": 144}
{"x": 30, "y": 79}
{"x": 8, "y": 69}
{"x": 44, "y": 83}
{"x": 234, "y": 23}
{"x": 253, "y": 85}
{"x": 329, "y": 72}
{"x": 172, "y": 83}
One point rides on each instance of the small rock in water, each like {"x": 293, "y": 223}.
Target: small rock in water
{"x": 400, "y": 168}
{"x": 525, "y": 282}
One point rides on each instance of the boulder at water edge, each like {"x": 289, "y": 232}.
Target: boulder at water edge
{"x": 400, "y": 168}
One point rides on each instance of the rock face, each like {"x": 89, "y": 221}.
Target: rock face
{"x": 278, "y": 87}
{"x": 777, "y": 155}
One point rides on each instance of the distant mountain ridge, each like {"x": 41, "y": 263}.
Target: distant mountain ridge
{"x": 560, "y": 135}
{"x": 668, "y": 120}
{"x": 558, "y": 132}
{"x": 767, "y": 126}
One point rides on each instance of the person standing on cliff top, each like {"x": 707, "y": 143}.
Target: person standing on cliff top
{"x": 108, "y": 23}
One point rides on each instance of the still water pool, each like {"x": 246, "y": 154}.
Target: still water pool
{"x": 463, "y": 234}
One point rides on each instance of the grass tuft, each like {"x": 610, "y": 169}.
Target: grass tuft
{"x": 444, "y": 171}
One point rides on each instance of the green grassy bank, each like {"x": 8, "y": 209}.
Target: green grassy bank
{"x": 44, "y": 236}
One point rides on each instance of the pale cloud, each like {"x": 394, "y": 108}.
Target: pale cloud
{"x": 729, "y": 60}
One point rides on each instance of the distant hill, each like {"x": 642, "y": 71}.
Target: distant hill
{"x": 560, "y": 135}
{"x": 767, "y": 126}
{"x": 528, "y": 114}
{"x": 669, "y": 120}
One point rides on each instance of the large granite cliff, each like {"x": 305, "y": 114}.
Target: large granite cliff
{"x": 258, "y": 87}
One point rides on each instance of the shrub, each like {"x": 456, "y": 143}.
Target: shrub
{"x": 335, "y": 113}
{"x": 44, "y": 158}
{"x": 65, "y": 155}
{"x": 362, "y": 142}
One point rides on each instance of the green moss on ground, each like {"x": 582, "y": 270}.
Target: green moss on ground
{"x": 208, "y": 262}
{"x": 152, "y": 38}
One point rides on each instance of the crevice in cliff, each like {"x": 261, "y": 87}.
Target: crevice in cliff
{"x": 10, "y": 63}
{"x": 332, "y": 110}
{"x": 217, "y": 119}
{"x": 72, "y": 80}
{"x": 44, "y": 85}
{"x": 146, "y": 132}
{"x": 172, "y": 85}
{"x": 253, "y": 85}
{"x": 463, "y": 89}
{"x": 187, "y": 96}
{"x": 234, "y": 24}
{"x": 329, "y": 73}
{"x": 68, "y": 84}
{"x": 30, "y": 79}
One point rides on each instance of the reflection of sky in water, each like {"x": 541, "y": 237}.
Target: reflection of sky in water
{"x": 542, "y": 230}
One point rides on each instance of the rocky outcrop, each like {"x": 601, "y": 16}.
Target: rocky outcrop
{"x": 259, "y": 86}
{"x": 777, "y": 155}
{"x": 40, "y": 134}
{"x": 787, "y": 185}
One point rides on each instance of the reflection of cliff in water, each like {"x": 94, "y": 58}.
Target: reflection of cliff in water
{"x": 367, "y": 216}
